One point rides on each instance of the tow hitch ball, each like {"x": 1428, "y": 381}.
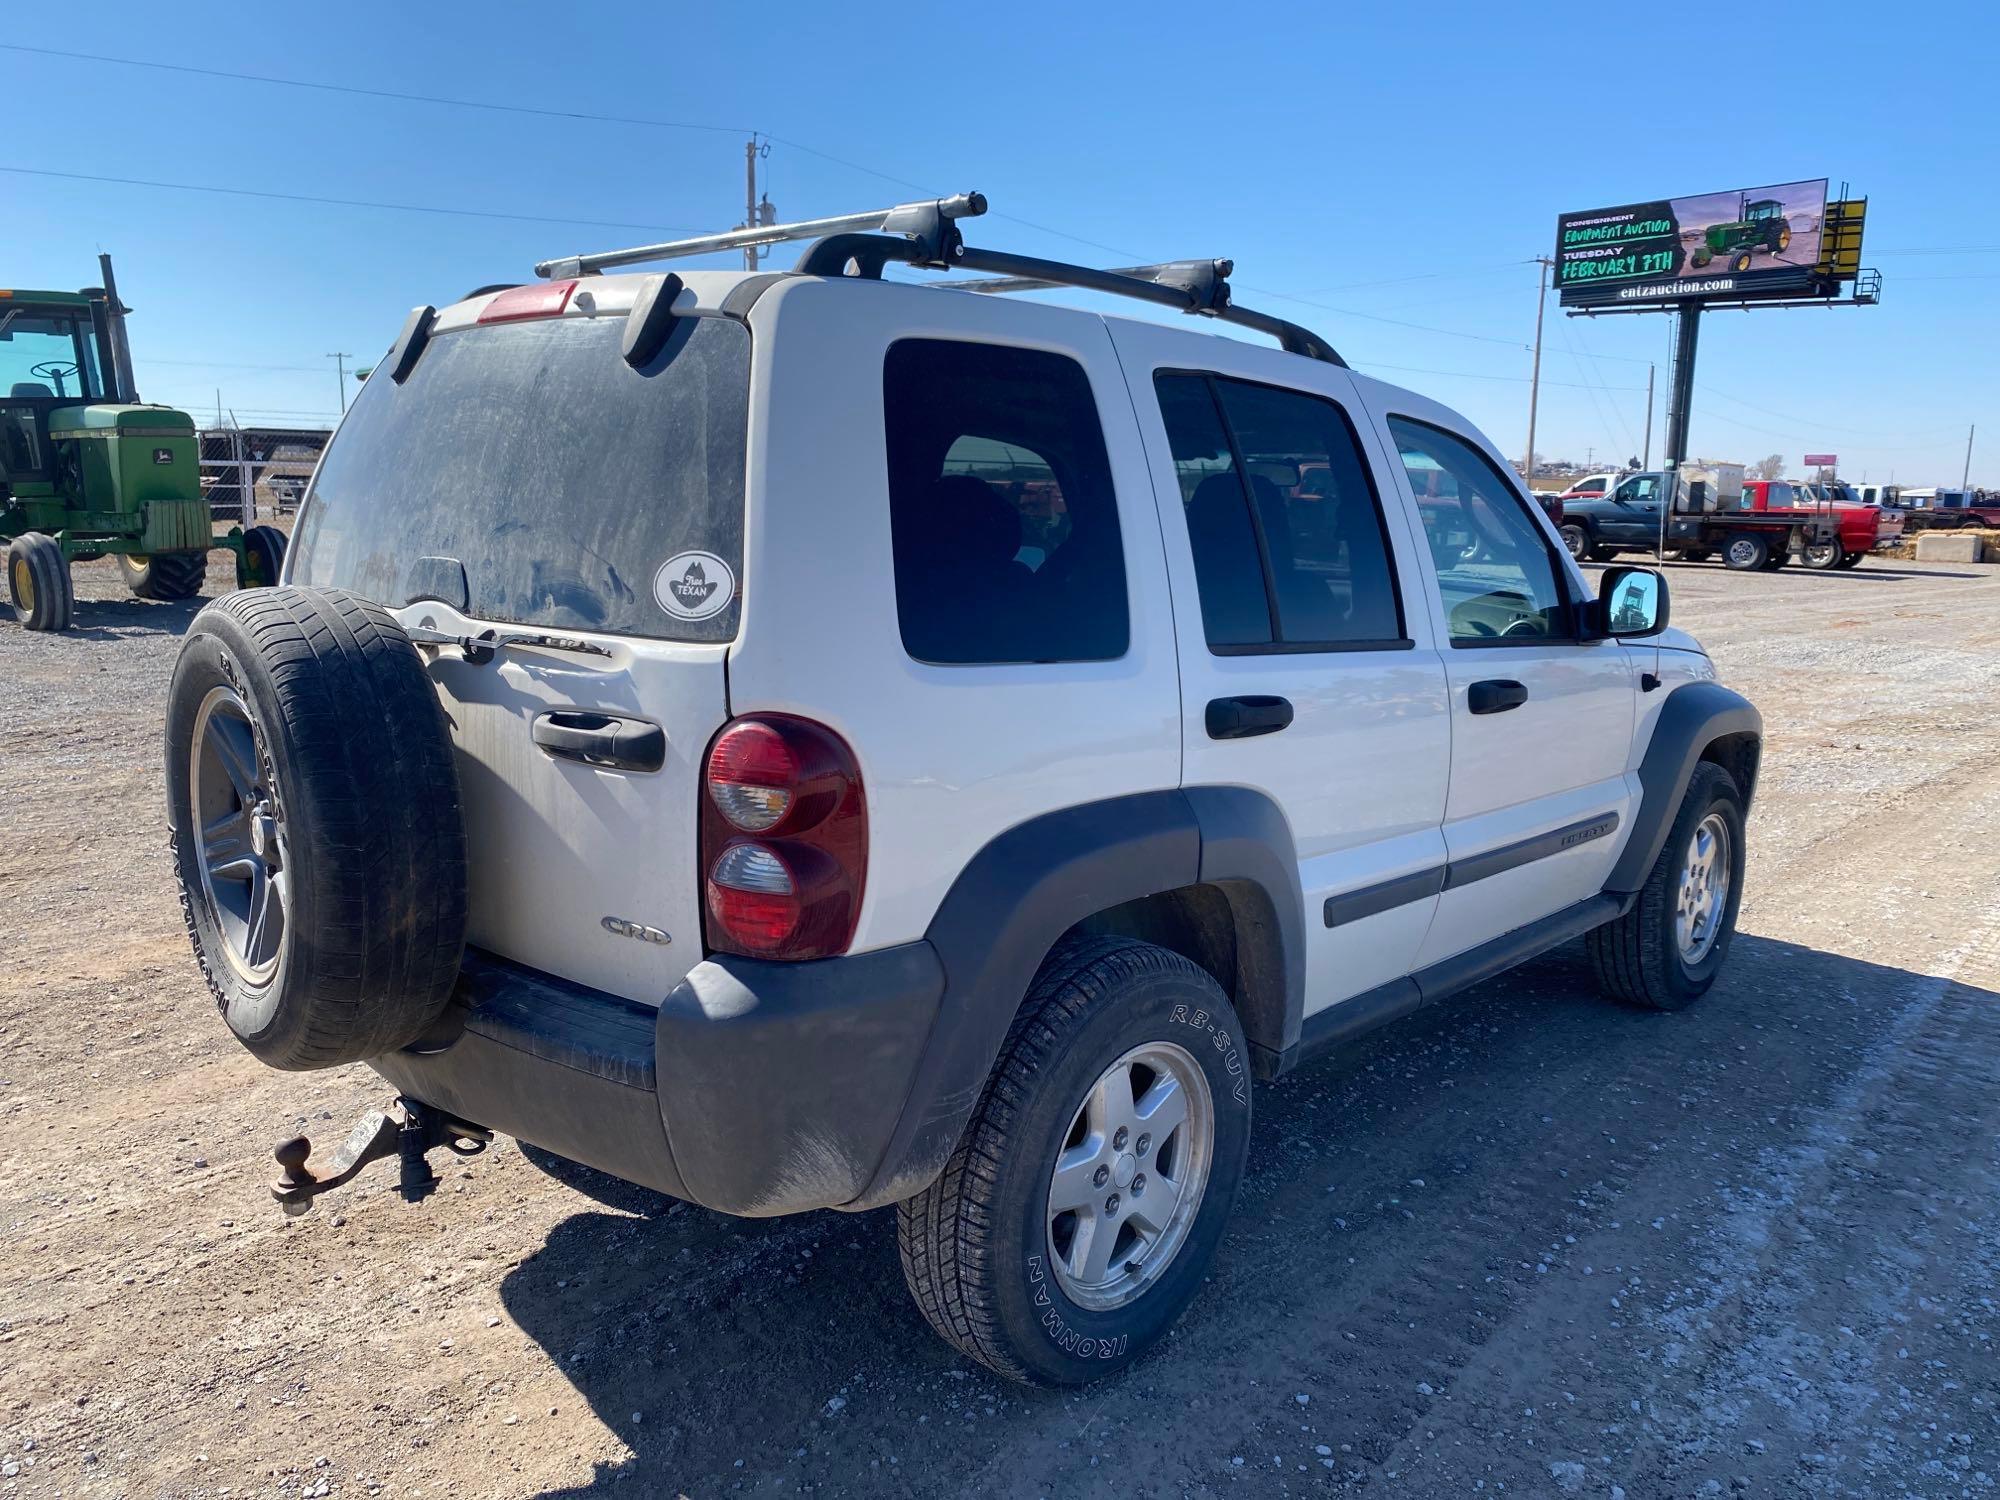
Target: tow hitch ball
{"x": 406, "y": 1130}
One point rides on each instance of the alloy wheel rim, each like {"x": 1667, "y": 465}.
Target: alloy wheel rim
{"x": 1128, "y": 1181}
{"x": 241, "y": 853}
{"x": 1743, "y": 551}
{"x": 1703, "y": 894}
{"x": 24, "y": 584}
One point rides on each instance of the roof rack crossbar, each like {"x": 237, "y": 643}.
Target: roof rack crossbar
{"x": 1193, "y": 286}
{"x": 926, "y": 224}
{"x": 926, "y": 234}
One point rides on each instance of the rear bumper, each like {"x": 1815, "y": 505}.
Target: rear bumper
{"x": 756, "y": 1088}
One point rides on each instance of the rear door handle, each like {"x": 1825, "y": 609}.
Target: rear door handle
{"x": 601, "y": 739}
{"x": 1496, "y": 697}
{"x": 1241, "y": 718}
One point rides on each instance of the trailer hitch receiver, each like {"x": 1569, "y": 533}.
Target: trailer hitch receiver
{"x": 406, "y": 1130}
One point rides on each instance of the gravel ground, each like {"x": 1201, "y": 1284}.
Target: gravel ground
{"x": 1529, "y": 1242}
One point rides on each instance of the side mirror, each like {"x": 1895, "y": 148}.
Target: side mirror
{"x": 1631, "y": 602}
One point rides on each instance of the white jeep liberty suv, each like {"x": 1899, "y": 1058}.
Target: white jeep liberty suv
{"x": 804, "y": 740}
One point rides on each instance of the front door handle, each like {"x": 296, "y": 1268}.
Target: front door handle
{"x": 1253, "y": 714}
{"x": 1496, "y": 697}
{"x": 601, "y": 739}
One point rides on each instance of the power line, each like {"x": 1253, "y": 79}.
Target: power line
{"x": 407, "y": 208}
{"x": 346, "y": 88}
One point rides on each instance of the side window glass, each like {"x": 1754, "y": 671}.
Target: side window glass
{"x": 1229, "y": 575}
{"x": 1002, "y": 513}
{"x": 1316, "y": 508}
{"x": 1494, "y": 567}
{"x": 1286, "y": 529}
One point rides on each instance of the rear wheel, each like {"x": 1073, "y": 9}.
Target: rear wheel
{"x": 1576, "y": 540}
{"x": 1666, "y": 951}
{"x": 1696, "y": 554}
{"x": 1746, "y": 552}
{"x": 1079, "y": 1212}
{"x": 38, "y": 582}
{"x": 164, "y": 575}
{"x": 263, "y": 558}
{"x": 1823, "y": 555}
{"x": 1851, "y": 559}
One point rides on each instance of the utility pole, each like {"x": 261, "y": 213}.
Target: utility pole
{"x": 1646, "y": 458}
{"x": 756, "y": 211}
{"x": 1965, "y": 479}
{"x": 340, "y": 376}
{"x": 1542, "y": 264}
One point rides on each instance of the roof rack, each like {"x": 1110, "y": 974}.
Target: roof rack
{"x": 926, "y": 234}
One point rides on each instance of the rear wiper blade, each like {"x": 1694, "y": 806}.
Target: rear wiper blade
{"x": 482, "y": 648}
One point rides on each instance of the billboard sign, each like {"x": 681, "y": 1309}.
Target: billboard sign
{"x": 1750, "y": 243}
{"x": 1822, "y": 460}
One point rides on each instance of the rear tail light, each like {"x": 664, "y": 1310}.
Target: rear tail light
{"x": 784, "y": 839}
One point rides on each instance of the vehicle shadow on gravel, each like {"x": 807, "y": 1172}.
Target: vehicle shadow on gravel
{"x": 116, "y": 619}
{"x": 1400, "y": 1196}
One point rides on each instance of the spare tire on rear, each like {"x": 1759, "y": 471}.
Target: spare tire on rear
{"x": 317, "y": 833}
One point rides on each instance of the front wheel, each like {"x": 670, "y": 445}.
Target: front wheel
{"x": 1665, "y": 952}
{"x": 1082, "y": 1205}
{"x": 38, "y": 582}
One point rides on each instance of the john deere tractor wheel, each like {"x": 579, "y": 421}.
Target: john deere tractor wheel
{"x": 167, "y": 575}
{"x": 38, "y": 582}
{"x": 1784, "y": 238}
{"x": 263, "y": 558}
{"x": 1740, "y": 261}
{"x": 1701, "y": 257}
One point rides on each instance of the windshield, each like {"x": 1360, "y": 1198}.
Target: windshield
{"x": 561, "y": 479}
{"x": 47, "y": 354}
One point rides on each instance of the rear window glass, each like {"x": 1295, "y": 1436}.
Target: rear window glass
{"x": 562, "y": 479}
{"x": 1002, "y": 514}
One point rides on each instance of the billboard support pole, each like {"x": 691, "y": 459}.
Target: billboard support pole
{"x": 1680, "y": 391}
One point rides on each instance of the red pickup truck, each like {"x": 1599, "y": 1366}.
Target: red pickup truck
{"x": 1860, "y": 528}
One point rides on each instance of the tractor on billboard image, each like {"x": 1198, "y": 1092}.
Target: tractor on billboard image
{"x": 1761, "y": 225}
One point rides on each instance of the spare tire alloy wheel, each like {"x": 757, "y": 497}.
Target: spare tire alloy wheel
{"x": 242, "y": 854}
{"x": 318, "y": 838}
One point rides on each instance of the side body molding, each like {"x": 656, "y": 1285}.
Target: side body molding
{"x": 1694, "y": 717}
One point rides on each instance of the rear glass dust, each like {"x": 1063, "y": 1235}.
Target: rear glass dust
{"x": 561, "y": 478}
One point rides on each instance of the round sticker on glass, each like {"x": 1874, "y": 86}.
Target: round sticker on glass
{"x": 694, "y": 585}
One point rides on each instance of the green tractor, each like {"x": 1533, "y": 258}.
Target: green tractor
{"x": 1761, "y": 225}
{"x": 88, "y": 472}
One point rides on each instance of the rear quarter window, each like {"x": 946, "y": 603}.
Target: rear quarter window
{"x": 563, "y": 480}
{"x": 1002, "y": 514}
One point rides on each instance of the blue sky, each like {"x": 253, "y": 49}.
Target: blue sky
{"x": 1395, "y": 166}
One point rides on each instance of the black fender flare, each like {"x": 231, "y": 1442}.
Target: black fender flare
{"x": 1016, "y": 898}
{"x": 1695, "y": 716}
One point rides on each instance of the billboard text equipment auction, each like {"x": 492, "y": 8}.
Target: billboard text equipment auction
{"x": 1751, "y": 243}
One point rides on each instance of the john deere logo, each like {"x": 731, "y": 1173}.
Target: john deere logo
{"x": 163, "y": 455}
{"x": 694, "y": 585}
